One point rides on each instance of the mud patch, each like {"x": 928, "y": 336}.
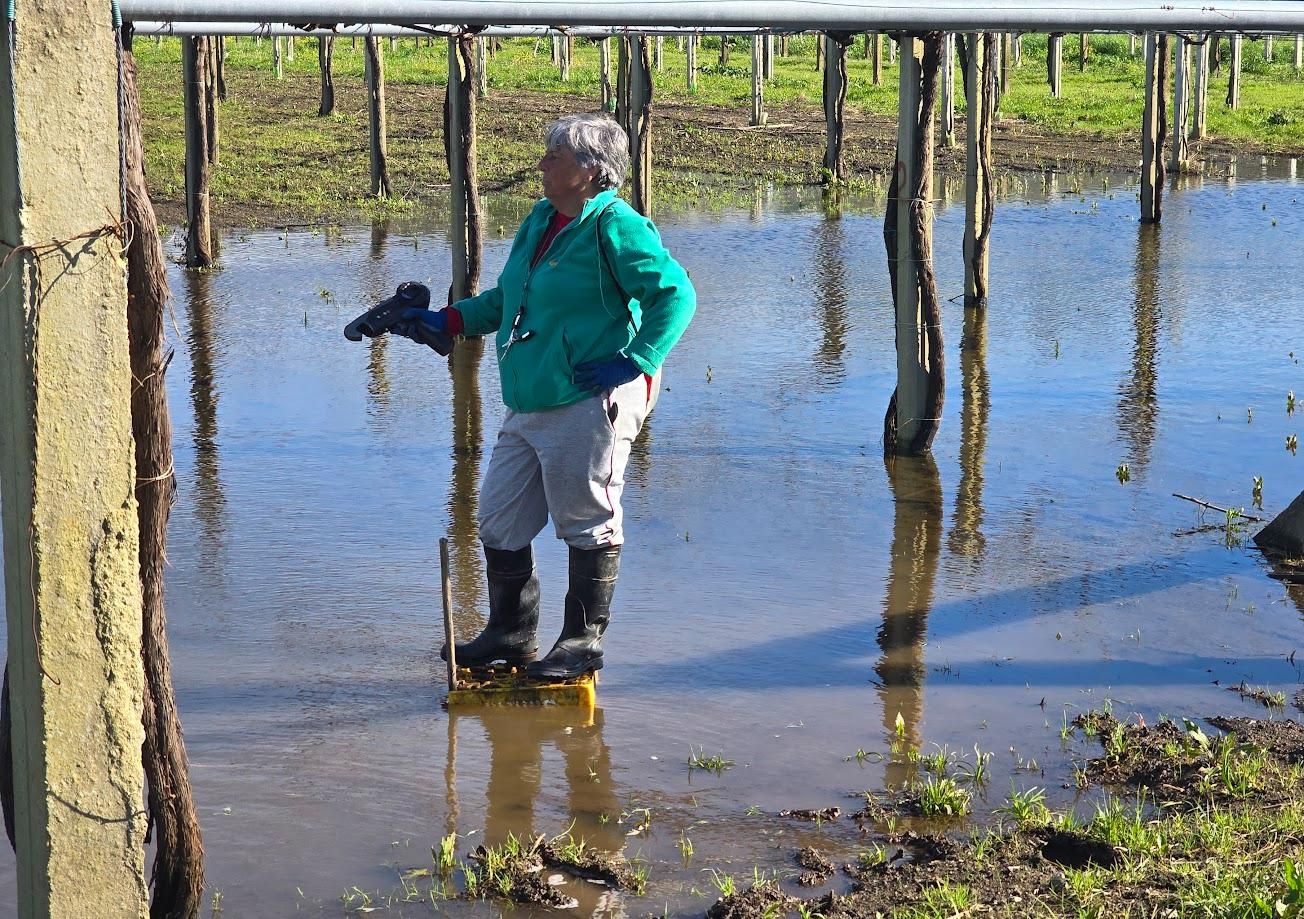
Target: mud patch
{"x": 760, "y": 901}
{"x": 818, "y": 867}
{"x": 1075, "y": 850}
{"x": 815, "y": 816}
{"x": 1281, "y": 739}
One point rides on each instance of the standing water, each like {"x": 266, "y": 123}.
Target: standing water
{"x": 788, "y": 597}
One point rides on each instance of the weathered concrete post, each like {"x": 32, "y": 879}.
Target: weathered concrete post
{"x": 289, "y": 48}
{"x": 1234, "y": 72}
{"x": 1267, "y": 48}
{"x": 1084, "y": 51}
{"x": 1201, "y": 94}
{"x": 1151, "y": 154}
{"x": 980, "y": 186}
{"x": 915, "y": 410}
{"x": 1181, "y": 106}
{"x": 72, "y": 582}
{"x": 691, "y": 69}
{"x": 1131, "y": 44}
{"x": 277, "y": 68}
{"x": 660, "y": 54}
{"x": 1299, "y": 53}
{"x": 465, "y": 223}
{"x": 1018, "y": 50}
{"x": 564, "y": 58}
{"x": 948, "y": 90}
{"x": 604, "y": 75}
{"x": 199, "y": 232}
{"x": 877, "y": 58}
{"x": 640, "y": 124}
{"x": 1007, "y": 62}
{"x": 835, "y": 104}
{"x": 768, "y": 57}
{"x": 1055, "y": 64}
{"x": 377, "y": 144}
{"x": 758, "y": 83}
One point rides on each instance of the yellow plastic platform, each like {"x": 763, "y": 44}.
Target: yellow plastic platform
{"x": 510, "y": 686}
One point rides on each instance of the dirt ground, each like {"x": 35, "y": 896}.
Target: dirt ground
{"x": 696, "y": 146}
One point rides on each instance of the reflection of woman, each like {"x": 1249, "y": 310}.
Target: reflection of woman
{"x": 585, "y": 311}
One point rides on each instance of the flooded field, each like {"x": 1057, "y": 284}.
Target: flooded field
{"x": 788, "y": 598}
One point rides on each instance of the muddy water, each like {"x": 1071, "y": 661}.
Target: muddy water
{"x": 788, "y": 597}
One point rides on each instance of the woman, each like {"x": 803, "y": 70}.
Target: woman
{"x": 586, "y": 309}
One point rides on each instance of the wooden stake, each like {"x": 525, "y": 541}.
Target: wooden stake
{"x": 325, "y": 53}
{"x": 660, "y": 54}
{"x": 835, "y": 100}
{"x": 465, "y": 221}
{"x": 758, "y": 83}
{"x": 375, "y": 75}
{"x": 446, "y": 585}
{"x": 724, "y": 50}
{"x": 1055, "y": 64}
{"x": 564, "y": 58}
{"x": 277, "y": 69}
{"x": 1234, "y": 73}
{"x": 1299, "y": 53}
{"x": 1151, "y": 189}
{"x": 691, "y": 70}
{"x": 640, "y": 123}
{"x": 481, "y": 66}
{"x": 211, "y": 94}
{"x": 980, "y": 186}
{"x": 1084, "y": 51}
{"x": 948, "y": 90}
{"x": 622, "y": 82}
{"x": 289, "y": 48}
{"x": 199, "y": 234}
{"x": 604, "y": 75}
{"x": 769, "y": 57}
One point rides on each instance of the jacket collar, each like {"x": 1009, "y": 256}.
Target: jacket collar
{"x": 597, "y": 203}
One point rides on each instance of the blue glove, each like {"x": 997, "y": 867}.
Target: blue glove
{"x": 424, "y": 326}
{"x": 599, "y": 376}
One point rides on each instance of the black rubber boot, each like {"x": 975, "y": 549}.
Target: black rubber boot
{"x": 509, "y": 635}
{"x": 588, "y": 609}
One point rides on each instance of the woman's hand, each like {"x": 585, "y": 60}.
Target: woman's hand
{"x": 598, "y": 376}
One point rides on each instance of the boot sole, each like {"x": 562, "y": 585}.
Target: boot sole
{"x": 564, "y": 674}
{"x": 519, "y": 660}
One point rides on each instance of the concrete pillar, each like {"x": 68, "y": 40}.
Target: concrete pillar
{"x": 758, "y": 83}
{"x": 289, "y": 48}
{"x": 277, "y": 68}
{"x": 458, "y": 116}
{"x": 199, "y": 232}
{"x": 482, "y": 66}
{"x": 1234, "y": 73}
{"x": 691, "y": 69}
{"x": 374, "y": 68}
{"x": 71, "y": 559}
{"x": 1299, "y": 53}
{"x": 1151, "y": 190}
{"x": 640, "y": 124}
{"x": 1055, "y": 64}
{"x": 948, "y": 90}
{"x": 1200, "y": 96}
{"x": 978, "y": 196}
{"x": 1181, "y": 106}
{"x": 911, "y": 350}
{"x": 660, "y": 54}
{"x": 891, "y": 50}
{"x": 768, "y": 70}
{"x": 564, "y": 45}
{"x": 604, "y": 75}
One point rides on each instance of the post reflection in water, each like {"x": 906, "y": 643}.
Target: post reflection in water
{"x": 463, "y": 496}
{"x": 966, "y": 536}
{"x": 375, "y": 290}
{"x": 210, "y": 500}
{"x": 516, "y": 738}
{"x": 916, "y": 541}
{"x": 831, "y": 288}
{"x": 1138, "y": 408}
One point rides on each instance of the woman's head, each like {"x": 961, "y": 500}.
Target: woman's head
{"x": 597, "y": 143}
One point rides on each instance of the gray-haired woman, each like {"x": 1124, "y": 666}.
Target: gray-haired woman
{"x": 585, "y": 311}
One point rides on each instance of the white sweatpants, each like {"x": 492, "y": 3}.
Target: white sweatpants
{"x": 566, "y": 462}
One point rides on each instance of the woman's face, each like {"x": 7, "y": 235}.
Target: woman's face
{"x": 563, "y": 179}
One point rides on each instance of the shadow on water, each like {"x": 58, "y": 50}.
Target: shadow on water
{"x": 966, "y": 538}
{"x": 916, "y": 542}
{"x": 210, "y": 499}
{"x": 1138, "y": 409}
{"x": 465, "y": 558}
{"x": 831, "y": 299}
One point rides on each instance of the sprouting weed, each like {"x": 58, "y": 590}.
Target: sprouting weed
{"x": 685, "y": 847}
{"x": 1123, "y": 474}
{"x": 871, "y": 858}
{"x": 698, "y": 760}
{"x": 942, "y": 798}
{"x": 862, "y": 755}
{"x": 1028, "y": 806}
{"x": 1290, "y": 402}
{"x": 446, "y": 853}
{"x": 1234, "y": 527}
{"x": 1292, "y": 442}
{"x": 1257, "y": 492}
{"x": 900, "y": 725}
{"x": 723, "y": 882}
{"x": 1116, "y": 742}
{"x": 639, "y": 817}
{"x": 638, "y": 875}
{"x": 215, "y": 906}
{"x": 753, "y": 810}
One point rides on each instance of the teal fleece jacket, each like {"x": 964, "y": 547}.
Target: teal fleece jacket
{"x": 570, "y": 305}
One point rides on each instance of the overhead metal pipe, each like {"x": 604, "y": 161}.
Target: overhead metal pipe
{"x": 386, "y": 30}
{"x": 848, "y": 15}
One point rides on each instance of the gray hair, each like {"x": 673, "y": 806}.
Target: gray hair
{"x": 597, "y": 140}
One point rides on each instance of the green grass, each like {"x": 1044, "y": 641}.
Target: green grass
{"x": 278, "y": 157}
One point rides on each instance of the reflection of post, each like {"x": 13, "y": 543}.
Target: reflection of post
{"x": 377, "y": 348}
{"x": 1138, "y": 410}
{"x": 966, "y": 537}
{"x": 515, "y": 738}
{"x": 916, "y": 538}
{"x": 831, "y": 288}
{"x": 467, "y": 564}
{"x": 210, "y": 503}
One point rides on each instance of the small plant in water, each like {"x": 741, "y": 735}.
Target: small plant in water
{"x": 697, "y": 759}
{"x": 1123, "y": 474}
{"x": 942, "y": 798}
{"x": 1292, "y": 442}
{"x": 870, "y": 858}
{"x": 685, "y": 847}
{"x": 1290, "y": 402}
{"x": 723, "y": 882}
{"x": 445, "y": 854}
{"x": 1028, "y": 806}
{"x": 1256, "y": 493}
{"x": 1234, "y": 527}
{"x": 900, "y": 726}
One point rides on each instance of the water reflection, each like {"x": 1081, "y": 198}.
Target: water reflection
{"x": 831, "y": 291}
{"x": 463, "y": 496}
{"x": 916, "y": 539}
{"x": 966, "y": 536}
{"x": 375, "y": 288}
{"x": 1138, "y": 409}
{"x": 210, "y": 500}
{"x": 517, "y": 739}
